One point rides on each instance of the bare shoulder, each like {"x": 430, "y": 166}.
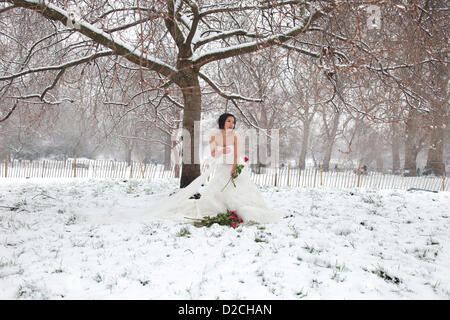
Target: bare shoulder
{"x": 215, "y": 135}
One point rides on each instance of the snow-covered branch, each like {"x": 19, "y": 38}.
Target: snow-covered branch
{"x": 241, "y": 8}
{"x": 221, "y": 35}
{"x": 9, "y": 113}
{"x": 41, "y": 99}
{"x": 235, "y": 50}
{"x": 195, "y": 21}
{"x": 2, "y": 10}
{"x": 118, "y": 47}
{"x": 226, "y": 95}
{"x": 60, "y": 66}
{"x": 300, "y": 50}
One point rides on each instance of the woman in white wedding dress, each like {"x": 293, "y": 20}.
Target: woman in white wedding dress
{"x": 243, "y": 196}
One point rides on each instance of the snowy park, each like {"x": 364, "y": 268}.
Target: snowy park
{"x": 97, "y": 239}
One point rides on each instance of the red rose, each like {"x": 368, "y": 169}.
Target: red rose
{"x": 245, "y": 159}
{"x": 234, "y": 225}
{"x": 240, "y": 220}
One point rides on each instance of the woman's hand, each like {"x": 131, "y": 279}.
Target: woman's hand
{"x": 220, "y": 151}
{"x": 226, "y": 150}
{"x": 233, "y": 170}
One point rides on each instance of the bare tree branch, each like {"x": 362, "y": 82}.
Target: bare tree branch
{"x": 59, "y": 67}
{"x": 224, "y": 94}
{"x": 117, "y": 46}
{"x": 9, "y": 112}
{"x": 236, "y": 50}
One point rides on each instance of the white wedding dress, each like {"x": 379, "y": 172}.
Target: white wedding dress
{"x": 245, "y": 199}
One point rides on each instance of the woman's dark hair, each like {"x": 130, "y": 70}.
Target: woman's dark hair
{"x": 223, "y": 117}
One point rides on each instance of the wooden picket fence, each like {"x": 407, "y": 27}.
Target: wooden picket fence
{"x": 74, "y": 168}
{"x": 312, "y": 178}
{"x": 291, "y": 177}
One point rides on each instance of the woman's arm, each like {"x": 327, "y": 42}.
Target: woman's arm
{"x": 237, "y": 148}
{"x": 212, "y": 145}
{"x": 237, "y": 153}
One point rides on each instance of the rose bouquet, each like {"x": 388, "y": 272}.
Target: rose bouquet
{"x": 238, "y": 170}
{"x": 230, "y": 218}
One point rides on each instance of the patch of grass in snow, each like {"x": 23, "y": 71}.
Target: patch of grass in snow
{"x": 431, "y": 242}
{"x": 14, "y": 224}
{"x": 148, "y": 230}
{"x": 337, "y": 277}
{"x": 311, "y": 249}
{"x": 374, "y": 212}
{"x": 29, "y": 290}
{"x": 148, "y": 191}
{"x": 315, "y": 283}
{"x": 344, "y": 232}
{"x": 144, "y": 282}
{"x": 112, "y": 282}
{"x": 261, "y": 237}
{"x": 434, "y": 286}
{"x": 364, "y": 224}
{"x": 98, "y": 278}
{"x": 370, "y": 200}
{"x": 260, "y": 240}
{"x": 71, "y": 220}
{"x": 352, "y": 244}
{"x": 98, "y": 244}
{"x": 19, "y": 206}
{"x": 428, "y": 255}
{"x": 10, "y": 268}
{"x": 339, "y": 267}
{"x": 184, "y": 232}
{"x": 79, "y": 243}
{"x": 300, "y": 294}
{"x": 294, "y": 230}
{"x": 383, "y": 274}
{"x": 132, "y": 187}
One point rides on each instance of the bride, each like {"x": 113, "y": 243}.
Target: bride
{"x": 216, "y": 196}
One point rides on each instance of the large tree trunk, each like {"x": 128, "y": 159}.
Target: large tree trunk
{"x": 330, "y": 142}
{"x": 167, "y": 152}
{"x": 128, "y": 151}
{"x": 261, "y": 154}
{"x": 192, "y": 112}
{"x": 327, "y": 158}
{"x": 411, "y": 149}
{"x": 379, "y": 160}
{"x": 304, "y": 148}
{"x": 395, "y": 149}
{"x": 435, "y": 161}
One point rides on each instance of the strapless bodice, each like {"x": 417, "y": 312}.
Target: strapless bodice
{"x": 226, "y": 158}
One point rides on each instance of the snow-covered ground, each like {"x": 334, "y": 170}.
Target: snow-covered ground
{"x": 96, "y": 239}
